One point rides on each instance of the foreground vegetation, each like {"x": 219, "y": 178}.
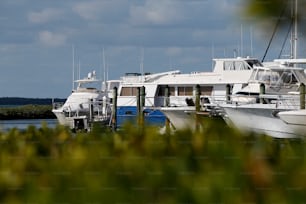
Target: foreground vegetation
{"x": 215, "y": 165}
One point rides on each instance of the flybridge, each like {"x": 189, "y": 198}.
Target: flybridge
{"x": 232, "y": 64}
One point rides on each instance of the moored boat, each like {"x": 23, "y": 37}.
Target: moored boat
{"x": 86, "y": 104}
{"x": 260, "y": 111}
{"x": 228, "y": 76}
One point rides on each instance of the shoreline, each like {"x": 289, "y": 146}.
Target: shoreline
{"x": 30, "y": 111}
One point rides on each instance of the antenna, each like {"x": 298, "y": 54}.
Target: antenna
{"x": 251, "y": 39}
{"x": 72, "y": 67}
{"x": 107, "y": 72}
{"x": 141, "y": 62}
{"x": 212, "y": 54}
{"x": 79, "y": 69}
{"x": 104, "y": 69}
{"x": 241, "y": 40}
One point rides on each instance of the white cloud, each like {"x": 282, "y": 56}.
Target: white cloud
{"x": 156, "y": 13}
{"x": 87, "y": 10}
{"x": 173, "y": 51}
{"x": 51, "y": 39}
{"x": 102, "y": 10}
{"x": 45, "y": 15}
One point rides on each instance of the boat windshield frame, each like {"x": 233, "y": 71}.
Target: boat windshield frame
{"x": 277, "y": 76}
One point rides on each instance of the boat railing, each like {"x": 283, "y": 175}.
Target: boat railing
{"x": 285, "y": 101}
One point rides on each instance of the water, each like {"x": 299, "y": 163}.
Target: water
{"x": 23, "y": 124}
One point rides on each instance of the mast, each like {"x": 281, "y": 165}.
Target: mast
{"x": 241, "y": 41}
{"x": 251, "y": 39}
{"x": 104, "y": 69}
{"x": 72, "y": 67}
{"x": 141, "y": 63}
{"x": 294, "y": 32}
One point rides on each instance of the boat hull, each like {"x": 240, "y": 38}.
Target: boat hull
{"x": 128, "y": 114}
{"x": 249, "y": 118}
{"x": 180, "y": 117}
{"x": 296, "y": 120}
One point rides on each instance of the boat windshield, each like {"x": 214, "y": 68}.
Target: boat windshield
{"x": 236, "y": 65}
{"x": 274, "y": 77}
{"x": 254, "y": 62}
{"x": 241, "y": 64}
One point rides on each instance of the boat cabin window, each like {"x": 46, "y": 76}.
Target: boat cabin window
{"x": 128, "y": 91}
{"x": 236, "y": 65}
{"x": 162, "y": 90}
{"x": 185, "y": 91}
{"x": 288, "y": 78}
{"x": 206, "y": 90}
{"x": 266, "y": 76}
{"x": 275, "y": 77}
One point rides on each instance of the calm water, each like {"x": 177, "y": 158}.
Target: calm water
{"x": 23, "y": 124}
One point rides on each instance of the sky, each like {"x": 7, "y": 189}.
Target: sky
{"x": 38, "y": 39}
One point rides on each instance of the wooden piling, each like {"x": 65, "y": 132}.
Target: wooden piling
{"x": 140, "y": 104}
{"x": 197, "y": 106}
{"x": 91, "y": 110}
{"x": 262, "y": 90}
{"x": 114, "y": 110}
{"x": 197, "y": 100}
{"x": 302, "y": 96}
{"x": 167, "y": 97}
{"x": 143, "y": 103}
{"x": 167, "y": 104}
{"x": 138, "y": 101}
{"x": 228, "y": 93}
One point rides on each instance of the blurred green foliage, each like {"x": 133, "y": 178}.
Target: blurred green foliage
{"x": 216, "y": 164}
{"x": 270, "y": 11}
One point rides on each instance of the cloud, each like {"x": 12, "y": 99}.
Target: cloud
{"x": 51, "y": 39}
{"x": 87, "y": 10}
{"x": 173, "y": 51}
{"x": 156, "y": 13}
{"x": 102, "y": 10}
{"x": 44, "y": 16}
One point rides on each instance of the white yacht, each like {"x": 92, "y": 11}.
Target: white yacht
{"x": 233, "y": 73}
{"x": 172, "y": 94}
{"x": 86, "y": 104}
{"x": 261, "y": 113}
{"x": 270, "y": 114}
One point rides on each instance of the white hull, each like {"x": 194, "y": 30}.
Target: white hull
{"x": 249, "y": 118}
{"x": 85, "y": 105}
{"x": 60, "y": 115}
{"x": 295, "y": 120}
{"x": 180, "y": 117}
